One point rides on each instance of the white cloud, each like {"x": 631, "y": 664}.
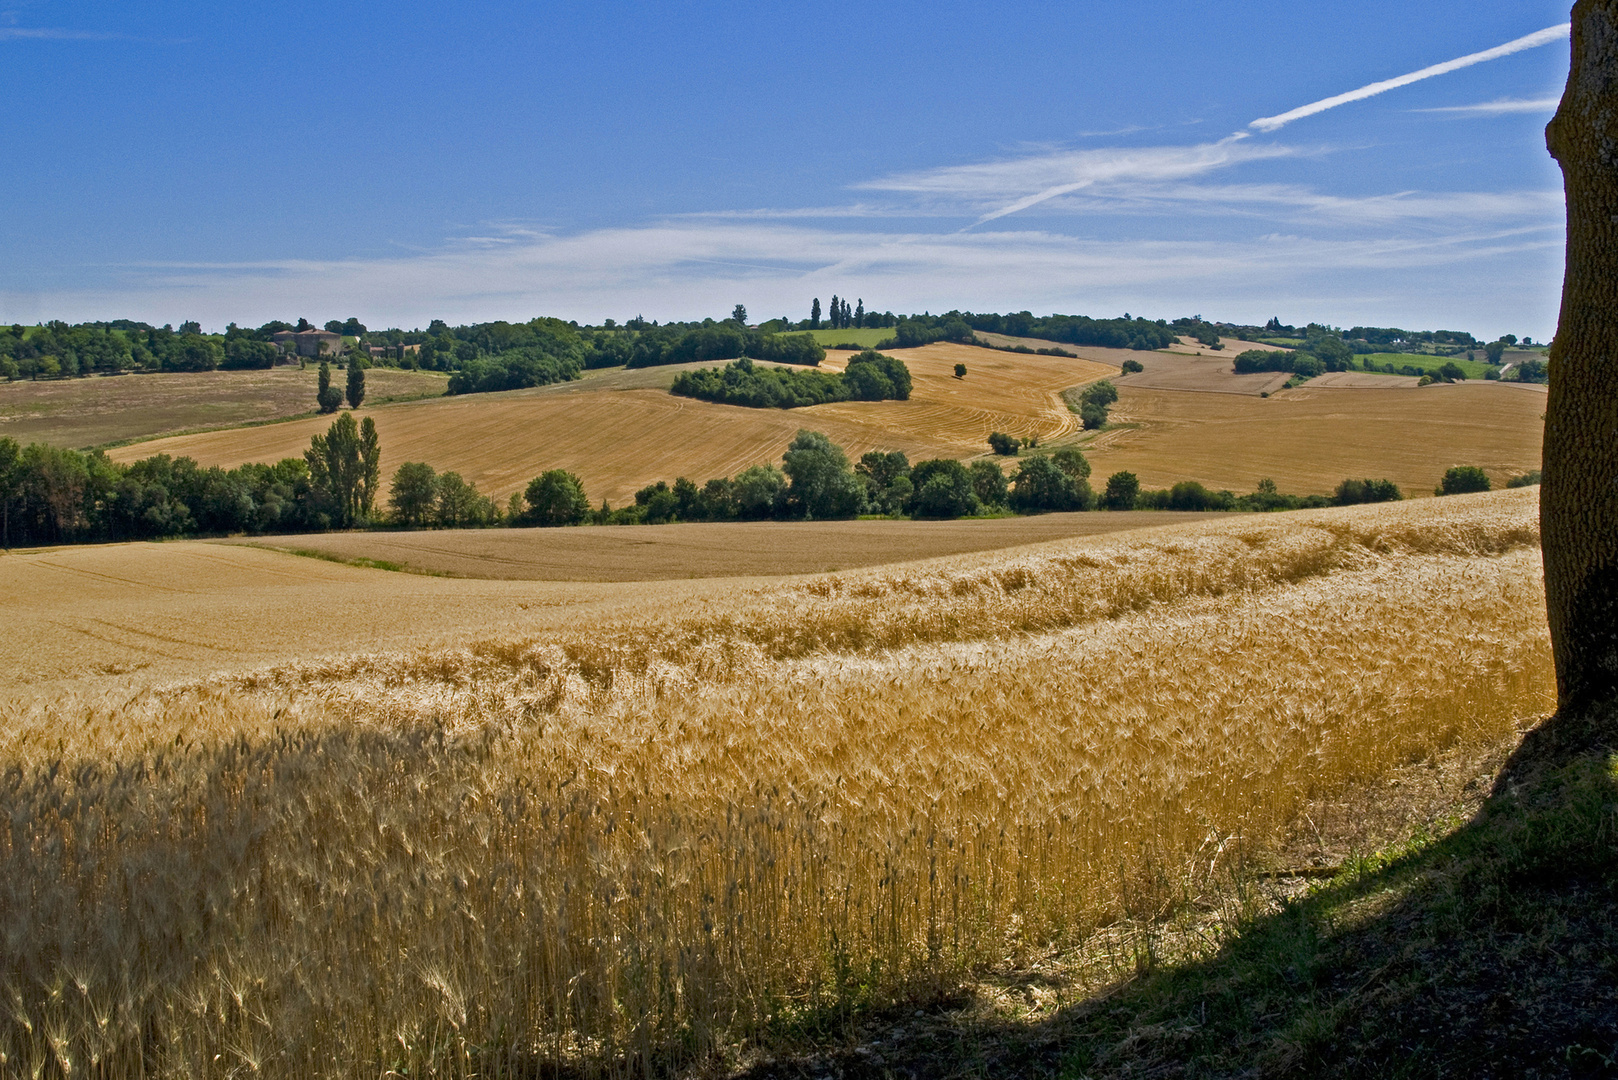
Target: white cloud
{"x": 1302, "y": 205}
{"x": 682, "y": 269}
{"x": 995, "y": 189}
{"x": 1499, "y": 107}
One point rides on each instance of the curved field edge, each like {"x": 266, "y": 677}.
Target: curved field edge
{"x": 629, "y": 846}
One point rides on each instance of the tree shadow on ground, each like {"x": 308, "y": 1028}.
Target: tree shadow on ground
{"x": 1490, "y": 952}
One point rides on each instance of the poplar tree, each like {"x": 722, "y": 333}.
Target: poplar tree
{"x": 836, "y": 314}
{"x": 1578, "y": 502}
{"x": 814, "y": 314}
{"x": 356, "y": 383}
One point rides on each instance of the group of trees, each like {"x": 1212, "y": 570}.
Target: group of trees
{"x": 675, "y": 344}
{"x": 870, "y": 376}
{"x": 1094, "y": 401}
{"x": 839, "y": 316}
{"x": 57, "y": 350}
{"x": 50, "y": 495}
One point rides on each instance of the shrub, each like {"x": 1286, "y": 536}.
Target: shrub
{"x": 886, "y": 475}
{"x": 989, "y": 483}
{"x": 944, "y": 489}
{"x": 760, "y": 492}
{"x": 1527, "y": 479}
{"x": 1451, "y": 372}
{"x": 1071, "y": 461}
{"x": 1353, "y": 492}
{"x": 413, "y": 494}
{"x": 1462, "y": 480}
{"x": 822, "y": 485}
{"x": 1041, "y": 484}
{"x": 870, "y": 376}
{"x": 1190, "y": 495}
{"x": 513, "y": 370}
{"x": 1123, "y": 488}
{"x": 1531, "y": 371}
{"x": 657, "y": 503}
{"x": 1003, "y": 444}
{"x": 1093, "y": 403}
{"x": 1132, "y": 366}
{"x": 556, "y": 498}
{"x": 960, "y": 371}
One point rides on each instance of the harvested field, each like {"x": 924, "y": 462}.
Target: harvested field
{"x": 1211, "y": 374}
{"x": 81, "y": 413}
{"x": 1362, "y": 380}
{"x": 737, "y": 549}
{"x": 637, "y": 840}
{"x": 1308, "y": 440}
{"x": 621, "y": 430}
{"x": 1232, "y": 346}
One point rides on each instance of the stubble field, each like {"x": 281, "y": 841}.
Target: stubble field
{"x": 1308, "y": 439}
{"x": 79, "y": 413}
{"x": 633, "y": 832}
{"x": 619, "y": 431}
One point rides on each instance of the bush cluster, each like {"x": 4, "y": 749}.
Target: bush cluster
{"x": 870, "y": 376}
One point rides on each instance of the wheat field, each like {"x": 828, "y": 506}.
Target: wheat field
{"x": 645, "y": 835}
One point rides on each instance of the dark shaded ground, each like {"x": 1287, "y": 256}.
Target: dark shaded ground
{"x": 1487, "y": 949}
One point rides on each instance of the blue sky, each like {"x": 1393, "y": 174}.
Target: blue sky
{"x": 404, "y": 161}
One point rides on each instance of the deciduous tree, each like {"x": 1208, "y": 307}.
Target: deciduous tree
{"x": 1579, "y": 493}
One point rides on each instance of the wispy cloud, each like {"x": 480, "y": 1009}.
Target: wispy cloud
{"x": 1293, "y": 204}
{"x": 1499, "y": 107}
{"x": 1530, "y": 41}
{"x": 48, "y": 33}
{"x": 679, "y": 268}
{"x": 984, "y": 188}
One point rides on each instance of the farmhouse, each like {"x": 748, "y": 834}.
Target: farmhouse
{"x": 310, "y": 342}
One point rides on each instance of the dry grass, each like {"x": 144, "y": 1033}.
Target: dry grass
{"x": 1308, "y": 440}
{"x": 626, "y": 844}
{"x": 93, "y": 412}
{"x": 621, "y": 431}
{"x": 736, "y": 549}
{"x": 1210, "y": 373}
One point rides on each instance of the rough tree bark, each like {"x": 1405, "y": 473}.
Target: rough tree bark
{"x": 1579, "y": 495}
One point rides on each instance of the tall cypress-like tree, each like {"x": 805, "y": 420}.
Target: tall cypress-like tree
{"x": 356, "y": 382}
{"x": 1578, "y": 502}
{"x": 814, "y": 314}
{"x": 370, "y": 466}
{"x": 859, "y": 313}
{"x": 836, "y": 314}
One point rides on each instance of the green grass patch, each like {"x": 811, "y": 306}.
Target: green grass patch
{"x": 1426, "y": 364}
{"x": 360, "y": 561}
{"x": 865, "y": 337}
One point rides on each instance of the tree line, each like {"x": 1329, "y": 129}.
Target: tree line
{"x": 870, "y": 376}
{"x": 503, "y": 355}
{"x": 50, "y": 495}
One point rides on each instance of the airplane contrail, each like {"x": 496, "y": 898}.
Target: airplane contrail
{"x": 1275, "y": 123}
{"x": 1532, "y": 41}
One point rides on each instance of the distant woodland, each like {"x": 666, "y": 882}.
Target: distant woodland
{"x": 493, "y": 356}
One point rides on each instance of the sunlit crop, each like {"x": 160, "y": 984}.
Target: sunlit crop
{"x": 625, "y": 845}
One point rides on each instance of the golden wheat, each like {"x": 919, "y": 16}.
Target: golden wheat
{"x": 624, "y": 846}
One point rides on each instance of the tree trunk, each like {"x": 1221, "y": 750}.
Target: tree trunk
{"x": 1579, "y": 495}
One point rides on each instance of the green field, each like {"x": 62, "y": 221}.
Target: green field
{"x": 1474, "y": 369}
{"x": 865, "y": 338}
